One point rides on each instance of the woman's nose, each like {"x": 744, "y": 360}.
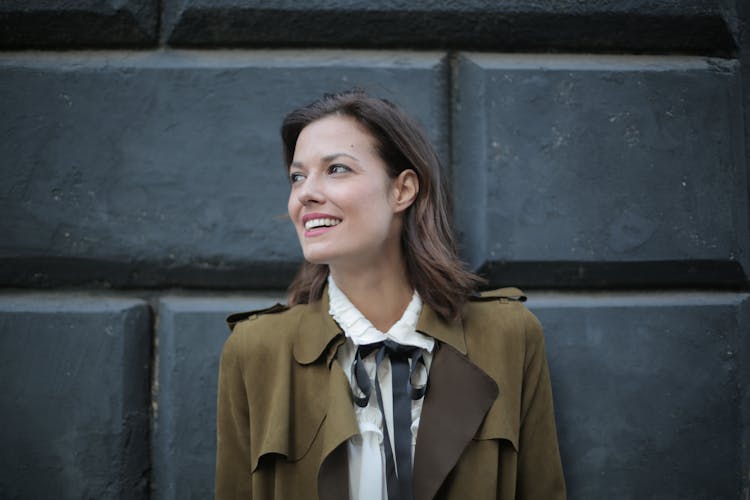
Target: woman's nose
{"x": 310, "y": 191}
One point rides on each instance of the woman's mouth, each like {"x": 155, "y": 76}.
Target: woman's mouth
{"x": 318, "y": 223}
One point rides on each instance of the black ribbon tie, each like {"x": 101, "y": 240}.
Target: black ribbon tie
{"x": 404, "y": 361}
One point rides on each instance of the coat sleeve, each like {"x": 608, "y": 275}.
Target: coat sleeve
{"x": 540, "y": 474}
{"x": 233, "y": 464}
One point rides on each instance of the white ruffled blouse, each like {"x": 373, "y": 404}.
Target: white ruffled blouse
{"x": 366, "y": 451}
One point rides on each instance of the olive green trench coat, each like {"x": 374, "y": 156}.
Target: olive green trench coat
{"x": 487, "y": 427}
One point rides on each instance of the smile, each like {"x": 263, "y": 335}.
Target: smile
{"x": 322, "y": 222}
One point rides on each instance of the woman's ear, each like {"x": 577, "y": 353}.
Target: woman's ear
{"x": 405, "y": 189}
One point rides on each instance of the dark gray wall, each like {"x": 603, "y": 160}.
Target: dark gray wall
{"x": 598, "y": 155}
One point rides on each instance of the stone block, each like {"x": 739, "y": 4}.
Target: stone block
{"x": 648, "y": 392}
{"x": 698, "y": 26}
{"x": 165, "y": 169}
{"x": 601, "y": 171}
{"x": 191, "y": 332}
{"x": 79, "y": 23}
{"x": 75, "y": 399}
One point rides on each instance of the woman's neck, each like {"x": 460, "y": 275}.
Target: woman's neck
{"x": 381, "y": 295}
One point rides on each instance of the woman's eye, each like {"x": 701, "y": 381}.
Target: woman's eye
{"x": 295, "y": 176}
{"x": 337, "y": 169}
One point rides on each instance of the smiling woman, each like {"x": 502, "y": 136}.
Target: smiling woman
{"x": 346, "y": 209}
{"x": 387, "y": 376}
{"x": 384, "y": 136}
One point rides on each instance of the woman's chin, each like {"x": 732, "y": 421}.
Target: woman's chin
{"x": 316, "y": 258}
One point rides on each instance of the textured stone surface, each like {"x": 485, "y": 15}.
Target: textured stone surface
{"x": 78, "y": 23}
{"x": 744, "y": 404}
{"x": 637, "y": 25}
{"x": 75, "y": 397}
{"x": 744, "y": 15}
{"x": 190, "y": 334}
{"x": 165, "y": 168}
{"x": 601, "y": 171}
{"x": 647, "y": 392}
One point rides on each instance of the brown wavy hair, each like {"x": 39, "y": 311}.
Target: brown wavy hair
{"x": 428, "y": 243}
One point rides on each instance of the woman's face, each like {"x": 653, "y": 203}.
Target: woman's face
{"x": 345, "y": 208}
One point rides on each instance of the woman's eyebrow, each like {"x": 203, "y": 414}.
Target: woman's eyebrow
{"x": 333, "y": 156}
{"x": 325, "y": 159}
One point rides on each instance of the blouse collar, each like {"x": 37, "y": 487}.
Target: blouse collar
{"x": 361, "y": 331}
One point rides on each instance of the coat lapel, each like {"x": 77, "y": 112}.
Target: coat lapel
{"x": 459, "y": 396}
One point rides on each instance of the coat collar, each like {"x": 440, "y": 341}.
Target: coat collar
{"x": 315, "y": 332}
{"x": 317, "y": 329}
{"x": 446, "y": 332}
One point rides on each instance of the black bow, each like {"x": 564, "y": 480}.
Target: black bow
{"x": 404, "y": 362}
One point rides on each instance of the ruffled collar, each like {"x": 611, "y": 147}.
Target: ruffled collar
{"x": 362, "y": 332}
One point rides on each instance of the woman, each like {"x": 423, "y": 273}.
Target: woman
{"x": 387, "y": 376}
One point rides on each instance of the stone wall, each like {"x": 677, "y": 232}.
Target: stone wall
{"x": 598, "y": 153}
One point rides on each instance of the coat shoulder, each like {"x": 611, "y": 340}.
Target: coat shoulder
{"x": 239, "y": 317}
{"x": 507, "y": 294}
{"x": 504, "y": 312}
{"x": 270, "y": 330}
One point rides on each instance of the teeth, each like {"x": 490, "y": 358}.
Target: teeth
{"x": 313, "y": 223}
